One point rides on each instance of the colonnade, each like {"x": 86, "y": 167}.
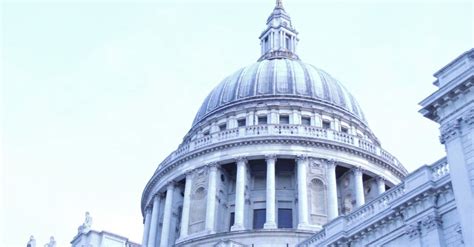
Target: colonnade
{"x": 162, "y": 202}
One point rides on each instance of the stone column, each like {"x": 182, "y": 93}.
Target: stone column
{"x": 146, "y": 230}
{"x": 240, "y": 195}
{"x": 380, "y": 185}
{"x": 359, "y": 187}
{"x": 211, "y": 199}
{"x": 165, "y": 231}
{"x": 332, "y": 190}
{"x": 186, "y": 204}
{"x": 302, "y": 162}
{"x": 154, "y": 221}
{"x": 271, "y": 200}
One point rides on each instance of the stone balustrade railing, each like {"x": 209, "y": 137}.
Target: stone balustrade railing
{"x": 439, "y": 170}
{"x": 423, "y": 175}
{"x": 283, "y": 130}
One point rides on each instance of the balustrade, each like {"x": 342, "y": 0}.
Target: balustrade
{"x": 283, "y": 130}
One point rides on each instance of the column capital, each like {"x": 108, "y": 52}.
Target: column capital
{"x": 431, "y": 221}
{"x": 330, "y": 163}
{"x": 468, "y": 116}
{"x": 158, "y": 195}
{"x": 449, "y": 131}
{"x": 270, "y": 157}
{"x": 380, "y": 178}
{"x": 212, "y": 165}
{"x": 171, "y": 184}
{"x": 357, "y": 170}
{"x": 301, "y": 157}
{"x": 412, "y": 230}
{"x": 241, "y": 159}
{"x": 148, "y": 209}
{"x": 189, "y": 172}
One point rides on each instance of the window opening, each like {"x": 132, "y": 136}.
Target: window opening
{"x": 284, "y": 119}
{"x": 262, "y": 120}
{"x": 285, "y": 218}
{"x": 259, "y": 218}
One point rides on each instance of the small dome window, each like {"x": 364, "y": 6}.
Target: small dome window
{"x": 284, "y": 119}
{"x": 241, "y": 122}
{"x": 306, "y": 121}
{"x": 262, "y": 120}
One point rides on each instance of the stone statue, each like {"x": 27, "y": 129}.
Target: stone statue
{"x": 52, "y": 242}
{"x": 32, "y": 242}
{"x": 86, "y": 226}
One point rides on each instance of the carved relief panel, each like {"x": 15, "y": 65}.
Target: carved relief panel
{"x": 197, "y": 215}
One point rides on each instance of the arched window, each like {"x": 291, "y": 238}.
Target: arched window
{"x": 318, "y": 202}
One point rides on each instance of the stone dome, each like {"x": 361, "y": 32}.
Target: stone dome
{"x": 283, "y": 77}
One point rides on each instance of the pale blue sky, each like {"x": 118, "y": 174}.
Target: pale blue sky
{"x": 95, "y": 95}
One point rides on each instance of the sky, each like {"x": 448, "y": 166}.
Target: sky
{"x": 95, "y": 94}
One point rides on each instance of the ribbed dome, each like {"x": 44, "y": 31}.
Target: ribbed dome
{"x": 279, "y": 77}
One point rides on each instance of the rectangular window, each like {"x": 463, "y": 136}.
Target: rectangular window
{"x": 259, "y": 218}
{"x": 222, "y": 127}
{"x": 206, "y": 133}
{"x": 326, "y": 125}
{"x": 285, "y": 218}
{"x": 284, "y": 119}
{"x": 232, "y": 220}
{"x": 241, "y": 122}
{"x": 262, "y": 120}
{"x": 306, "y": 121}
{"x": 344, "y": 130}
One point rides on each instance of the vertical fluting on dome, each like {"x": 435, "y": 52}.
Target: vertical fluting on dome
{"x": 279, "y": 38}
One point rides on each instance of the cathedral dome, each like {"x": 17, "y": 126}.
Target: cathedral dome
{"x": 278, "y": 149}
{"x": 279, "y": 78}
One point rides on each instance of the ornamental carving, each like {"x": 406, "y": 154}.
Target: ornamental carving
{"x": 241, "y": 159}
{"x": 449, "y": 131}
{"x": 301, "y": 157}
{"x": 330, "y": 164}
{"x": 270, "y": 157}
{"x": 469, "y": 116}
{"x": 315, "y": 168}
{"x": 413, "y": 230}
{"x": 431, "y": 221}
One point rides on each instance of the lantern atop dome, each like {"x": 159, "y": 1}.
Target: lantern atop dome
{"x": 279, "y": 38}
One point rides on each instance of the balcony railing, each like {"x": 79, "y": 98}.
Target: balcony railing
{"x": 284, "y": 130}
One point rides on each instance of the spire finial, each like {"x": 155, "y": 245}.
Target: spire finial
{"x": 279, "y": 4}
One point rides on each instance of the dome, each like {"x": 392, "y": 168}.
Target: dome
{"x": 282, "y": 77}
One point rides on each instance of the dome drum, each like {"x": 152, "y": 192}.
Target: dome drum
{"x": 329, "y": 184}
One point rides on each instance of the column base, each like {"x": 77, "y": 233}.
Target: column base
{"x": 269, "y": 225}
{"x": 237, "y": 228}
